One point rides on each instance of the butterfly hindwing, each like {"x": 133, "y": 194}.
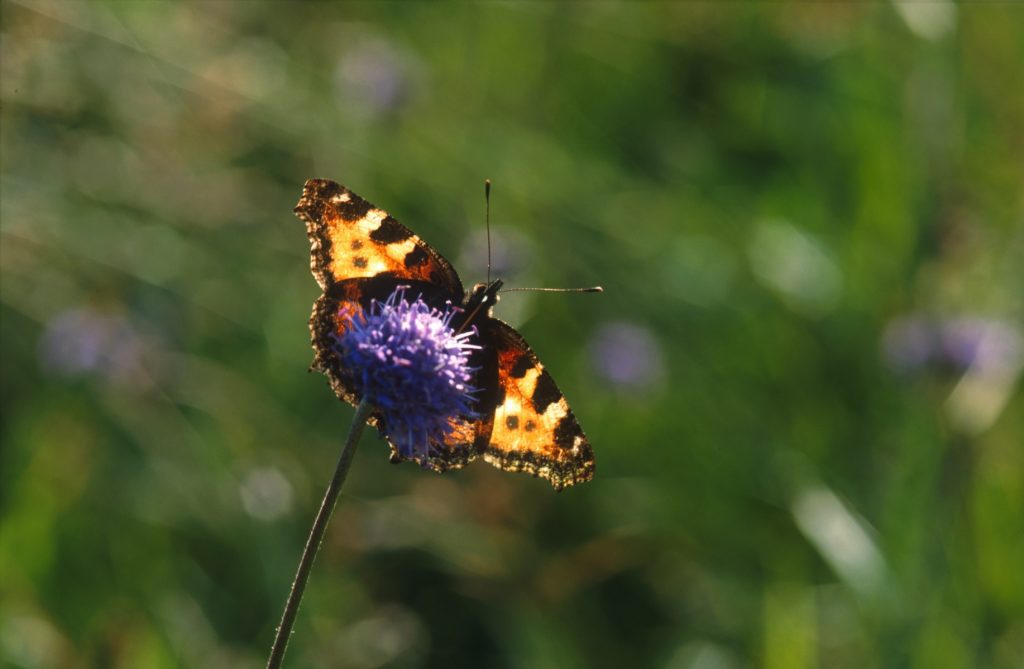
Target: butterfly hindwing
{"x": 534, "y": 430}
{"x": 349, "y": 300}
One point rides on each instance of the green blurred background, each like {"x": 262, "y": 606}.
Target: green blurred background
{"x": 801, "y": 383}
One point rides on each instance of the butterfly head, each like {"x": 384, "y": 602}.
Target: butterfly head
{"x": 483, "y": 296}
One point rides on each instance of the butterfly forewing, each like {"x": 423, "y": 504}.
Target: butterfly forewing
{"x": 350, "y": 238}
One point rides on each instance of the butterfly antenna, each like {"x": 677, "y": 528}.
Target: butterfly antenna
{"x": 591, "y": 289}
{"x": 487, "y": 217}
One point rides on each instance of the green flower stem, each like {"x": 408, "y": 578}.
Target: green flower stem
{"x": 316, "y": 535}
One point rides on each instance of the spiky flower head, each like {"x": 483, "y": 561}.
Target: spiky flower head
{"x": 408, "y": 361}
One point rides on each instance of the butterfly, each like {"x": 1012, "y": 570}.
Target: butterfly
{"x": 360, "y": 254}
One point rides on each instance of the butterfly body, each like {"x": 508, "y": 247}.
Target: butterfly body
{"x": 360, "y": 254}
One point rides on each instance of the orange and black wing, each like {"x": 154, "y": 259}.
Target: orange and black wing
{"x": 534, "y": 429}
{"x": 350, "y": 238}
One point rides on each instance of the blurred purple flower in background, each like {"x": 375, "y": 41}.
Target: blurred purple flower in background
{"x": 986, "y": 354}
{"x": 983, "y": 343}
{"x": 627, "y": 355}
{"x": 907, "y": 343}
{"x": 90, "y": 340}
{"x": 912, "y": 342}
{"x": 410, "y": 364}
{"x": 372, "y": 76}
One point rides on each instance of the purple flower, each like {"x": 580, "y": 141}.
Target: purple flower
{"x": 410, "y": 364}
{"x": 92, "y": 340}
{"x": 627, "y": 355}
{"x": 374, "y": 77}
{"x": 910, "y": 343}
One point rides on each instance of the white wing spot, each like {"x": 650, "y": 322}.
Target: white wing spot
{"x": 555, "y": 412}
{"x": 402, "y": 249}
{"x": 371, "y": 221}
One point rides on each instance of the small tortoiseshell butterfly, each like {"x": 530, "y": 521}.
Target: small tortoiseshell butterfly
{"x": 361, "y": 254}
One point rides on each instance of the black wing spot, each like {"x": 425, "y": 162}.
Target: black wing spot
{"x": 530, "y": 426}
{"x": 567, "y": 431}
{"x": 522, "y": 366}
{"x": 356, "y": 244}
{"x": 545, "y": 392}
{"x": 355, "y": 209}
{"x": 415, "y": 257}
{"x": 360, "y": 262}
{"x": 512, "y": 422}
{"x": 390, "y": 231}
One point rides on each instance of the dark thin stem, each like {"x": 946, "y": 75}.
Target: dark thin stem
{"x": 316, "y": 535}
